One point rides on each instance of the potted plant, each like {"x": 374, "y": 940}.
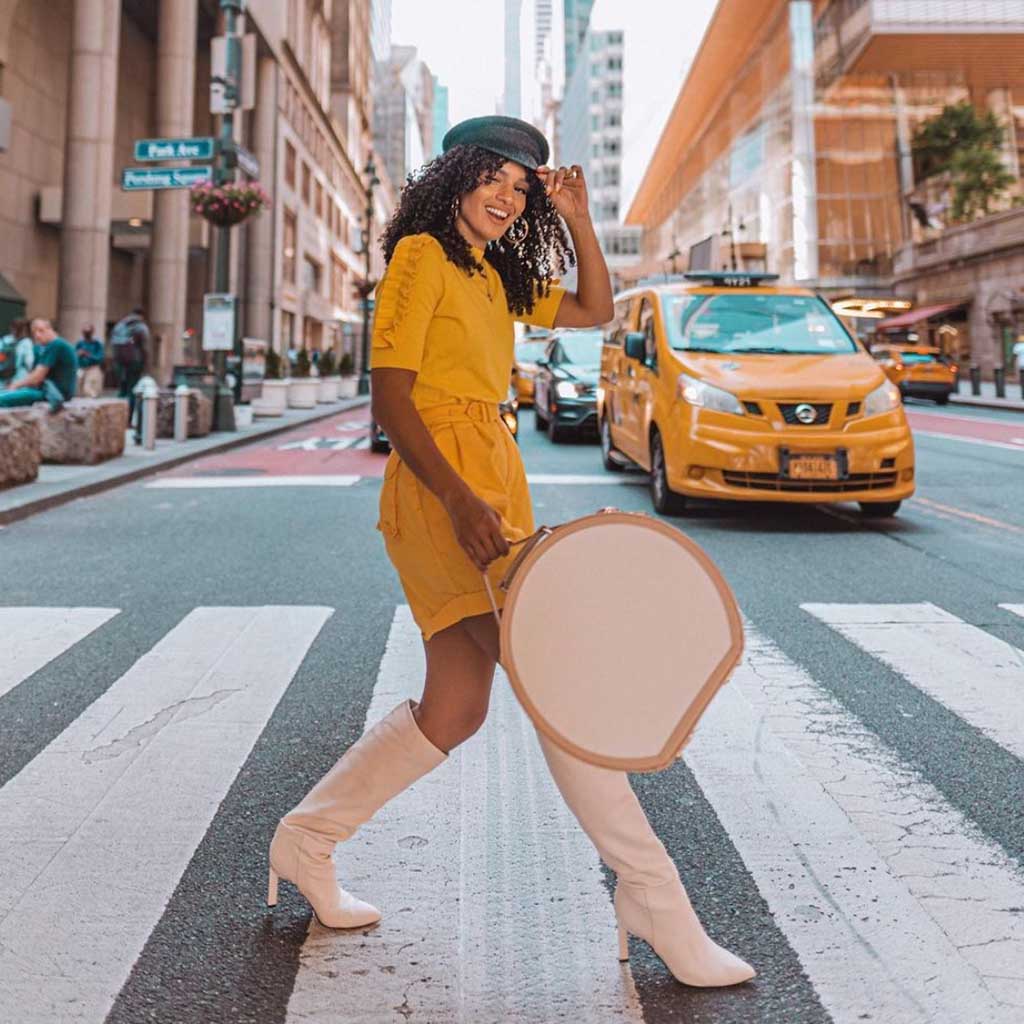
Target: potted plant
{"x": 273, "y": 399}
{"x": 327, "y": 385}
{"x": 348, "y": 387}
{"x": 302, "y": 387}
{"x": 228, "y": 204}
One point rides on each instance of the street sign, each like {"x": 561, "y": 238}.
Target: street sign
{"x": 247, "y": 161}
{"x": 218, "y": 322}
{"x": 135, "y": 179}
{"x": 175, "y": 149}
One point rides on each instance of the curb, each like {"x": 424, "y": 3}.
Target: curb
{"x": 31, "y": 508}
{"x": 986, "y": 403}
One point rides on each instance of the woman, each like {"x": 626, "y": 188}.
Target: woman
{"x": 473, "y": 246}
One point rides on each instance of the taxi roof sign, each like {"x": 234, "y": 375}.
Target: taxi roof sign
{"x": 731, "y": 278}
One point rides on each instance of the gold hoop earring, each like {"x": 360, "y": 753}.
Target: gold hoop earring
{"x": 456, "y": 206}
{"x": 518, "y": 239}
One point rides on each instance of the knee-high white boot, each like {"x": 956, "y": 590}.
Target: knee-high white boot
{"x": 386, "y": 759}
{"x": 650, "y": 901}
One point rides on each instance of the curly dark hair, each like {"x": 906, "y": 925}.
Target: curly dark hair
{"x": 427, "y": 204}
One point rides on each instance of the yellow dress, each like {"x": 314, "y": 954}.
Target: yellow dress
{"x": 455, "y": 330}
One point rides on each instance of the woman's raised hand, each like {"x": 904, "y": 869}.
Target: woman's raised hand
{"x": 567, "y": 190}
{"x": 477, "y": 528}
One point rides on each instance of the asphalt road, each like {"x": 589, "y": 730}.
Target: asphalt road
{"x": 862, "y": 844}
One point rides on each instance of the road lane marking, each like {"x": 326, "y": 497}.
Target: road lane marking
{"x": 918, "y": 432}
{"x": 977, "y": 676}
{"x": 1016, "y": 609}
{"x": 97, "y": 830}
{"x": 35, "y": 636}
{"x": 493, "y": 900}
{"x": 585, "y": 479}
{"x": 974, "y": 517}
{"x": 897, "y": 906}
{"x": 205, "y": 482}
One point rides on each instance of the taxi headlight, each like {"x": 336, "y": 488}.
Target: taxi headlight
{"x": 566, "y": 389}
{"x": 884, "y": 398}
{"x": 707, "y": 396}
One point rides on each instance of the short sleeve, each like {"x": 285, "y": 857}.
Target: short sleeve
{"x": 545, "y": 308}
{"x": 406, "y": 299}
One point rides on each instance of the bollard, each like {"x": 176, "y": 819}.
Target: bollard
{"x": 181, "y": 395}
{"x": 150, "y": 398}
{"x": 975, "y": 380}
{"x": 999, "y": 375}
{"x": 1020, "y": 377}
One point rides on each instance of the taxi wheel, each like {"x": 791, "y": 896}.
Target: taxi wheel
{"x": 608, "y": 449}
{"x": 666, "y": 501}
{"x": 557, "y": 434}
{"x": 942, "y": 400}
{"x": 879, "y": 509}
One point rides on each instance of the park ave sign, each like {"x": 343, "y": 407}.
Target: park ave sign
{"x": 175, "y": 149}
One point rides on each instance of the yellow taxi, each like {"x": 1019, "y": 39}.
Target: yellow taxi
{"x": 726, "y": 385}
{"x": 920, "y": 371}
{"x": 525, "y": 367}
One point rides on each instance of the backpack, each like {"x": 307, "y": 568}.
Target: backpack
{"x": 122, "y": 338}
{"x": 8, "y": 363}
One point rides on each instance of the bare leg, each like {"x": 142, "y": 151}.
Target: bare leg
{"x": 457, "y": 690}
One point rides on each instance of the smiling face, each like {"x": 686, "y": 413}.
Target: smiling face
{"x": 486, "y": 213}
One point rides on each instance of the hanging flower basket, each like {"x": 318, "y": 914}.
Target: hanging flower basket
{"x": 230, "y": 204}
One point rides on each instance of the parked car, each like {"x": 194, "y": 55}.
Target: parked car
{"x": 726, "y": 385}
{"x": 919, "y": 371}
{"x": 525, "y": 368}
{"x": 565, "y": 387}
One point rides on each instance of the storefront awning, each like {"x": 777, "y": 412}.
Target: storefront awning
{"x": 916, "y": 316}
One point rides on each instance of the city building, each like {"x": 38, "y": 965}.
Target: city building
{"x": 591, "y": 136}
{"x": 576, "y": 15}
{"x": 511, "y": 99}
{"x": 84, "y": 79}
{"x": 442, "y": 121}
{"x": 789, "y": 148}
{"x": 403, "y": 123}
{"x": 534, "y": 63}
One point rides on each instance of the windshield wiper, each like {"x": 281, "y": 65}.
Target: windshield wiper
{"x": 698, "y": 348}
{"x": 769, "y": 350}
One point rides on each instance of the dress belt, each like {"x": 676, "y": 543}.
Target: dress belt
{"x": 460, "y": 412}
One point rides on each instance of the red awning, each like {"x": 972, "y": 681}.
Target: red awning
{"x": 916, "y": 316}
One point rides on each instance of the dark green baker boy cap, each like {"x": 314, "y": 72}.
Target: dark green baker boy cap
{"x": 507, "y": 136}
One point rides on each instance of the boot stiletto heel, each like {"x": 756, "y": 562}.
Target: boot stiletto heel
{"x": 272, "y": 889}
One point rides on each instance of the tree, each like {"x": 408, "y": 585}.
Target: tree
{"x": 957, "y": 128}
{"x": 979, "y": 178}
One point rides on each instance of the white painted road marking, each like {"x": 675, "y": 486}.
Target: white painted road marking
{"x": 977, "y": 676}
{"x": 899, "y": 909}
{"x": 494, "y": 906}
{"x": 634, "y": 479}
{"x": 202, "y": 482}
{"x": 33, "y": 637}
{"x": 96, "y": 831}
{"x": 316, "y": 444}
{"x": 967, "y": 440}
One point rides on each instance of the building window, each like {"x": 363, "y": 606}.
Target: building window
{"x": 614, "y": 88}
{"x": 287, "y": 329}
{"x": 289, "y": 164}
{"x": 319, "y": 200}
{"x": 595, "y": 121}
{"x": 290, "y": 241}
{"x": 614, "y": 119}
{"x": 306, "y": 181}
{"x": 337, "y": 281}
{"x": 312, "y": 275}
{"x": 595, "y": 96}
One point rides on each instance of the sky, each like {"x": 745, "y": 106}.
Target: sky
{"x": 462, "y": 42}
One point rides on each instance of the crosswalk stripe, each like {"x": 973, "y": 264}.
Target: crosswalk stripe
{"x": 96, "y": 831}
{"x": 583, "y": 479}
{"x": 976, "y": 675}
{"x": 35, "y": 636}
{"x": 899, "y": 909}
{"x": 202, "y": 482}
{"x": 1016, "y": 609}
{"x": 494, "y": 907}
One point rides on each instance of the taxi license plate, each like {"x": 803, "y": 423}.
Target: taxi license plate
{"x": 813, "y": 467}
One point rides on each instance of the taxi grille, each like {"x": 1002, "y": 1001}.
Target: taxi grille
{"x": 788, "y": 410}
{"x": 773, "y": 482}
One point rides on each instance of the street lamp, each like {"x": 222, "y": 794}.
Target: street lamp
{"x": 370, "y": 171}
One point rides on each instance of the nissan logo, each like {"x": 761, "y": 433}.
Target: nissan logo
{"x": 806, "y": 413}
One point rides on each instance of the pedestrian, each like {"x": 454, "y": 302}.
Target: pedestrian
{"x": 1018, "y": 354}
{"x": 17, "y": 353}
{"x": 129, "y": 341}
{"x": 471, "y": 249}
{"x": 52, "y": 379}
{"x": 89, "y": 350}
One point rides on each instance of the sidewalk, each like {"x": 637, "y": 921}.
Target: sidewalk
{"x": 59, "y": 484}
{"x": 987, "y": 399}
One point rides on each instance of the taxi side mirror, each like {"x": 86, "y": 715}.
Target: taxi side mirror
{"x": 635, "y": 345}
{"x": 541, "y": 361}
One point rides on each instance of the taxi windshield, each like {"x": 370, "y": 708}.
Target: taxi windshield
{"x": 583, "y": 347}
{"x": 771, "y": 324}
{"x": 530, "y": 351}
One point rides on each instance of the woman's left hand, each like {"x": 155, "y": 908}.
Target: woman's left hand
{"x": 567, "y": 190}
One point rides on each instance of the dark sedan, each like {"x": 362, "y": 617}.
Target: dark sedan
{"x": 565, "y": 386}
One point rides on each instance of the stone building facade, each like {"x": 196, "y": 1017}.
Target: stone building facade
{"x": 86, "y": 78}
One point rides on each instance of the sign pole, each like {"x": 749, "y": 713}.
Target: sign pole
{"x": 231, "y": 86}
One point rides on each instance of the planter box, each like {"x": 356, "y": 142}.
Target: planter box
{"x": 273, "y": 400}
{"x": 302, "y": 392}
{"x": 327, "y": 389}
{"x": 244, "y": 415}
{"x": 348, "y": 387}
